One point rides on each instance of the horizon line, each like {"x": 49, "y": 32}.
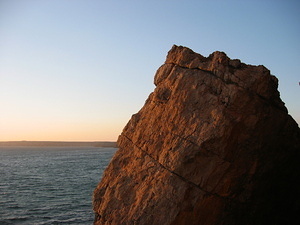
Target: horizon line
{"x": 56, "y": 141}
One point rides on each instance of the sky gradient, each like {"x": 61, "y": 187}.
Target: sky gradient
{"x": 77, "y": 70}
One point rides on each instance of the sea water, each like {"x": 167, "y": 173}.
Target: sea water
{"x": 46, "y": 185}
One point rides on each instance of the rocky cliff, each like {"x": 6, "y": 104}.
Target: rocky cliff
{"x": 212, "y": 145}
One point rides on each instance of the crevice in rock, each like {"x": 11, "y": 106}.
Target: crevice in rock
{"x": 164, "y": 167}
{"x": 264, "y": 99}
{"x": 176, "y": 174}
{"x": 209, "y": 72}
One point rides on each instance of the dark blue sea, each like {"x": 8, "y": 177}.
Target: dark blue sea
{"x": 46, "y": 185}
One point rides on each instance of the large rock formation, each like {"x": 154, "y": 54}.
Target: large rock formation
{"x": 213, "y": 144}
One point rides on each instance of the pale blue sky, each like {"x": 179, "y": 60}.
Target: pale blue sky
{"x": 76, "y": 70}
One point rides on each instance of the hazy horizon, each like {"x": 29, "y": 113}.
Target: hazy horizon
{"x": 77, "y": 70}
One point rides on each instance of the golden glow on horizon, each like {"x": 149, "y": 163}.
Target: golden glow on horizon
{"x": 59, "y": 132}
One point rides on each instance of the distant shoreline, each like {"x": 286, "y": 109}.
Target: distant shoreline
{"x": 58, "y": 144}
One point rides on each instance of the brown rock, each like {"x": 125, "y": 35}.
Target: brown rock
{"x": 213, "y": 144}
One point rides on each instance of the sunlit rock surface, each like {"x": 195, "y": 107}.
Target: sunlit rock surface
{"x": 213, "y": 144}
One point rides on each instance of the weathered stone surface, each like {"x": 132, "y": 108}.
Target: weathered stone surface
{"x": 213, "y": 144}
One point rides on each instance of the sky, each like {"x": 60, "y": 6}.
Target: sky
{"x": 76, "y": 70}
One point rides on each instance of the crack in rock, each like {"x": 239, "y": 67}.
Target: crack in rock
{"x": 174, "y": 173}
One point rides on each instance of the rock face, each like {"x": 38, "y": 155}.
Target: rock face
{"x": 212, "y": 145}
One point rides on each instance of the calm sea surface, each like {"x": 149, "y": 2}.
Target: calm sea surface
{"x": 46, "y": 185}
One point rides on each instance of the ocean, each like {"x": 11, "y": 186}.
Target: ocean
{"x": 50, "y": 185}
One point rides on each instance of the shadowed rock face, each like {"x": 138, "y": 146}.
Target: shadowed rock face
{"x": 213, "y": 144}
